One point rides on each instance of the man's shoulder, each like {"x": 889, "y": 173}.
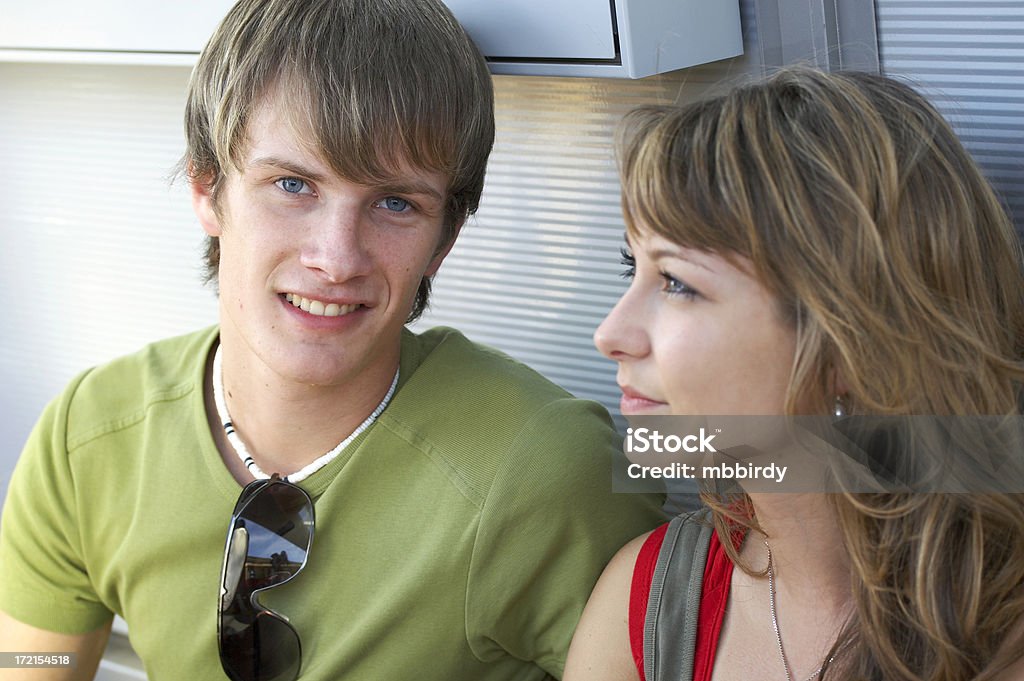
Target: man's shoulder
{"x": 446, "y": 360}
{"x": 482, "y": 415}
{"x": 121, "y": 391}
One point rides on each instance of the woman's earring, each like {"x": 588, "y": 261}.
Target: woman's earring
{"x": 840, "y": 408}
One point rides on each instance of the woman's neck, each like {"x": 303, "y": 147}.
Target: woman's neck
{"x": 799, "y": 612}
{"x": 806, "y": 544}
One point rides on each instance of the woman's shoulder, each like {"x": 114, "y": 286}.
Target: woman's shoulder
{"x": 616, "y": 581}
{"x": 635, "y": 560}
{"x": 600, "y": 649}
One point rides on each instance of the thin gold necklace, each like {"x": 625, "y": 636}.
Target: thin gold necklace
{"x": 775, "y": 624}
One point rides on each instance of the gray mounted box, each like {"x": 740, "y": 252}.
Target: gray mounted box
{"x": 603, "y": 38}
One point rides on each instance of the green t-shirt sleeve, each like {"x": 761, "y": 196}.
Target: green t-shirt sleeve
{"x": 43, "y": 577}
{"x": 549, "y": 526}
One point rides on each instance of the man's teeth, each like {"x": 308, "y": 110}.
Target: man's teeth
{"x": 315, "y": 307}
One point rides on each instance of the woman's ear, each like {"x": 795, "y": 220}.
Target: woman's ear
{"x": 840, "y": 391}
{"x": 839, "y": 385}
{"x": 203, "y": 203}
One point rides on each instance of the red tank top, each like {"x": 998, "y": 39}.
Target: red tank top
{"x": 714, "y": 595}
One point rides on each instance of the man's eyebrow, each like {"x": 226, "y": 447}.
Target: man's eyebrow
{"x": 286, "y": 165}
{"x": 409, "y": 187}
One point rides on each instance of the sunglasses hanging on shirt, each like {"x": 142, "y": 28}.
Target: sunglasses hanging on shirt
{"x": 268, "y": 541}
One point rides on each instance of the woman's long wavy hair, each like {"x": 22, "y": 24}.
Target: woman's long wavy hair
{"x": 889, "y": 253}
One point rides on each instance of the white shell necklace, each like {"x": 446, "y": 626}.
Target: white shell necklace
{"x": 243, "y": 452}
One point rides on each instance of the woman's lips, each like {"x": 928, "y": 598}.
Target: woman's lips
{"x": 634, "y": 402}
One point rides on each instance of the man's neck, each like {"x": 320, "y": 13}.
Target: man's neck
{"x": 286, "y": 425}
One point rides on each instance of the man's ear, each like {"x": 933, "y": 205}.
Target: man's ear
{"x": 442, "y": 253}
{"x": 203, "y": 204}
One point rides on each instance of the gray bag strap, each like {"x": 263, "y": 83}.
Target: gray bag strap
{"x": 670, "y": 627}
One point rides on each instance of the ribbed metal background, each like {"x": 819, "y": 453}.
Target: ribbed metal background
{"x": 968, "y": 56}
{"x": 537, "y": 269}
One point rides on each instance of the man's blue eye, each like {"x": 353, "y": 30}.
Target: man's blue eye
{"x": 394, "y": 203}
{"x": 292, "y": 185}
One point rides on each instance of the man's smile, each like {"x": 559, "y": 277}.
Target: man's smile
{"x": 318, "y": 308}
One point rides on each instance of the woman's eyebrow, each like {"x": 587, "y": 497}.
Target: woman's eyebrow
{"x": 686, "y": 254}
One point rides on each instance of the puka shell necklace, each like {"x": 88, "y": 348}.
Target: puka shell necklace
{"x": 243, "y": 452}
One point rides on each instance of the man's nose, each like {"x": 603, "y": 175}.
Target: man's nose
{"x": 337, "y": 244}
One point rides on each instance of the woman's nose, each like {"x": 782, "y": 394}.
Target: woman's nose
{"x": 621, "y": 335}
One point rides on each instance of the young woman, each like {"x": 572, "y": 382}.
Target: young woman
{"x": 814, "y": 244}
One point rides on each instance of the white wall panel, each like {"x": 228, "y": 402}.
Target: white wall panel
{"x": 98, "y": 253}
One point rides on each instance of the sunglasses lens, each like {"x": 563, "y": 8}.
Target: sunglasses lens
{"x": 263, "y": 649}
{"x": 271, "y": 534}
{"x": 279, "y": 523}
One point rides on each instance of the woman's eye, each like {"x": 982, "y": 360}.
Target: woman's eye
{"x": 626, "y": 258}
{"x": 674, "y": 287}
{"x": 395, "y": 204}
{"x": 292, "y": 185}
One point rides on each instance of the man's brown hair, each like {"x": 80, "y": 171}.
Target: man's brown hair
{"x": 375, "y": 85}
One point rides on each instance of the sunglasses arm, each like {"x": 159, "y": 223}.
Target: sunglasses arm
{"x": 238, "y": 549}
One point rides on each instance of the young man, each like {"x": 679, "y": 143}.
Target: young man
{"x": 463, "y": 509}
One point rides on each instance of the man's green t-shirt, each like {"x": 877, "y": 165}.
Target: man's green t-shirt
{"x": 457, "y": 538}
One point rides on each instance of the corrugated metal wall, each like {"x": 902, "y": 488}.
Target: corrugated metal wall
{"x": 968, "y": 57}
{"x": 538, "y": 268}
